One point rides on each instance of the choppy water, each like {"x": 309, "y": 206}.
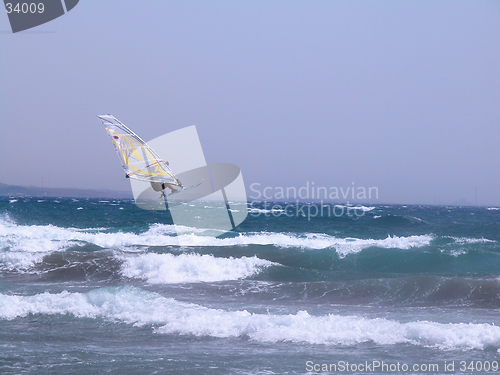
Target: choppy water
{"x": 100, "y": 286}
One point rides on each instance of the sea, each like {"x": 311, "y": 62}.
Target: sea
{"x": 99, "y": 286}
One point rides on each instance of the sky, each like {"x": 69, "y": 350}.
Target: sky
{"x": 401, "y": 96}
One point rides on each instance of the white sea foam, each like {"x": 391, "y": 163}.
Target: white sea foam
{"x": 357, "y": 208}
{"x": 343, "y": 246}
{"x": 49, "y": 238}
{"x": 27, "y": 245}
{"x": 464, "y": 240}
{"x": 168, "y": 268}
{"x": 454, "y": 251}
{"x": 19, "y": 261}
{"x": 355, "y": 245}
{"x": 254, "y": 210}
{"x": 363, "y": 208}
{"x": 168, "y": 316}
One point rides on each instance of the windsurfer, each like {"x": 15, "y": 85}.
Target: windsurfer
{"x": 167, "y": 185}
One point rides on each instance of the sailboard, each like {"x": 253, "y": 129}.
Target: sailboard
{"x": 184, "y": 188}
{"x": 140, "y": 161}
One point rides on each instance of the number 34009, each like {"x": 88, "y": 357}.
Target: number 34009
{"x": 24, "y": 8}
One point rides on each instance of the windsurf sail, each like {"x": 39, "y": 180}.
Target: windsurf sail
{"x": 139, "y": 161}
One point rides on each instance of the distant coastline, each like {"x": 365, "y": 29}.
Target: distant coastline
{"x": 37, "y": 191}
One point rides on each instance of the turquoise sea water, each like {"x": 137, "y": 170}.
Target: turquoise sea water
{"x": 100, "y": 286}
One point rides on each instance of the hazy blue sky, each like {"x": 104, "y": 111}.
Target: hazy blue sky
{"x": 404, "y": 96}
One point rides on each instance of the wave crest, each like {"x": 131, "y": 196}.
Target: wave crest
{"x": 135, "y": 306}
{"x": 168, "y": 268}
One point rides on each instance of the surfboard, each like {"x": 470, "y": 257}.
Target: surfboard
{"x": 186, "y": 188}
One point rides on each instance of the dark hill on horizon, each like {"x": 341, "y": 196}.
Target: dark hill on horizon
{"x": 37, "y": 191}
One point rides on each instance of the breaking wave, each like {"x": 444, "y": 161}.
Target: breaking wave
{"x": 168, "y": 316}
{"x": 168, "y": 268}
{"x": 49, "y": 238}
{"x": 25, "y": 246}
